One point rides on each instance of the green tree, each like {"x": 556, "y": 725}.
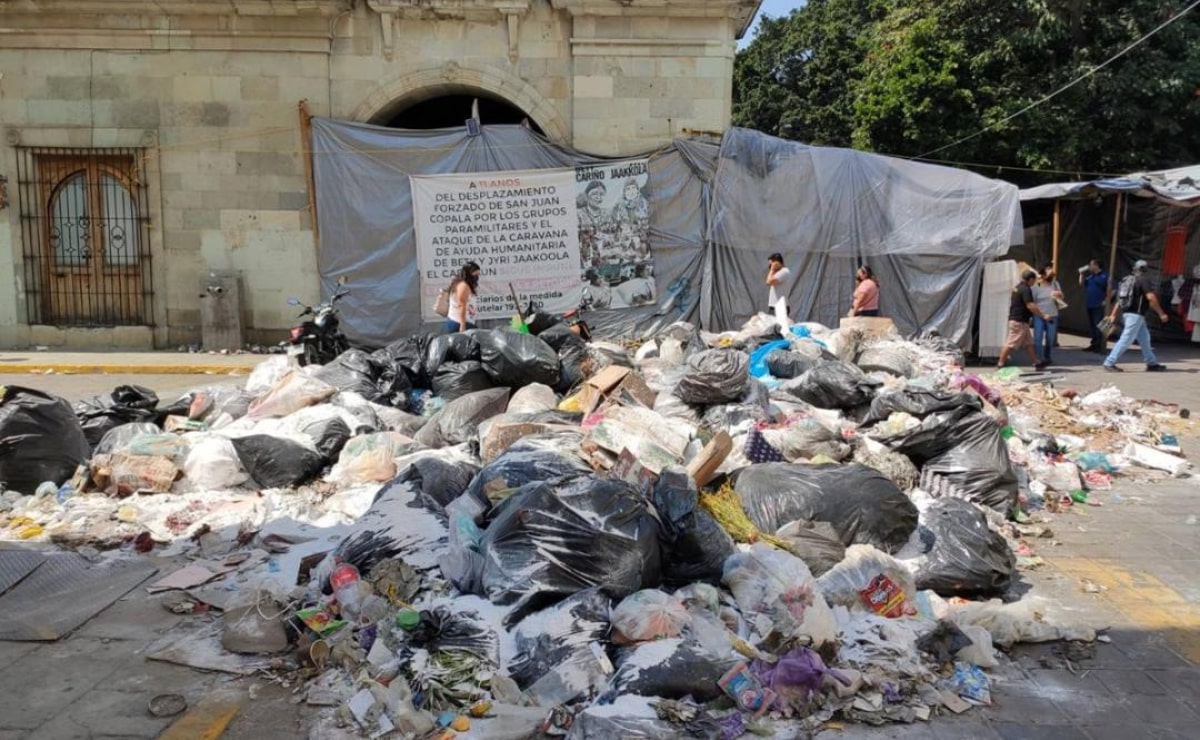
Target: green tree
{"x": 908, "y": 77}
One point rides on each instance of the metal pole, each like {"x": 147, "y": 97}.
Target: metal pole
{"x": 1057, "y": 225}
{"x": 1116, "y": 233}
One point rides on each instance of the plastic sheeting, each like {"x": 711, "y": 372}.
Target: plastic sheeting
{"x": 716, "y": 213}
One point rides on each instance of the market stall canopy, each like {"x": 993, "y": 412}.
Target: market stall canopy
{"x": 1179, "y": 187}
{"x": 715, "y": 212}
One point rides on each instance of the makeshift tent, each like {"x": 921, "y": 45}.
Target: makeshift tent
{"x": 1151, "y": 216}
{"x": 716, "y": 212}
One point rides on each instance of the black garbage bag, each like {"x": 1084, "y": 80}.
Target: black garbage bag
{"x": 961, "y": 455}
{"x": 441, "y": 630}
{"x": 864, "y": 507}
{"x": 274, "y": 462}
{"x": 520, "y": 464}
{"x": 514, "y": 359}
{"x": 540, "y": 321}
{"x": 548, "y": 542}
{"x": 694, "y": 546}
{"x": 560, "y": 337}
{"x": 457, "y": 379}
{"x": 559, "y": 634}
{"x": 328, "y": 436}
{"x": 577, "y": 363}
{"x": 967, "y": 558}
{"x": 457, "y": 347}
{"x": 354, "y": 371}
{"x": 401, "y": 523}
{"x": 689, "y": 669}
{"x": 125, "y": 404}
{"x": 408, "y": 355}
{"x": 833, "y": 385}
{"x": 459, "y": 420}
{"x": 753, "y": 406}
{"x": 439, "y": 481}
{"x": 917, "y": 402}
{"x": 715, "y": 376}
{"x": 40, "y": 439}
{"x": 787, "y": 365}
{"x": 816, "y": 543}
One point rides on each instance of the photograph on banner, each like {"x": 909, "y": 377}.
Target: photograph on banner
{"x": 519, "y": 227}
{"x": 614, "y": 234}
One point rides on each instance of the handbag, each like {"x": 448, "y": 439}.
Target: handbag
{"x": 442, "y": 305}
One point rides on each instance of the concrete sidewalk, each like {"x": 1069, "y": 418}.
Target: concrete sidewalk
{"x": 127, "y": 363}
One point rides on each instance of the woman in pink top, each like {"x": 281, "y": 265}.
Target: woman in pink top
{"x": 866, "y": 295}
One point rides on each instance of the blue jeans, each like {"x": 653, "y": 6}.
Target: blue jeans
{"x": 1135, "y": 328}
{"x": 1044, "y": 332}
{"x": 1095, "y": 316}
{"x": 451, "y": 326}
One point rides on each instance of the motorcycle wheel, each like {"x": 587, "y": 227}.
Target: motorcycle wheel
{"x": 310, "y": 356}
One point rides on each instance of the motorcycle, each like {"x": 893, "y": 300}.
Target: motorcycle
{"x": 538, "y": 321}
{"x": 318, "y": 340}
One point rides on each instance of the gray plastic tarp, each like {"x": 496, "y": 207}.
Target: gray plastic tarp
{"x": 716, "y": 213}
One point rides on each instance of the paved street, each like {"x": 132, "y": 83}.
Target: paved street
{"x": 1141, "y": 549}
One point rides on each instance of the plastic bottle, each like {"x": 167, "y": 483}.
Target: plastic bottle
{"x": 47, "y": 488}
{"x": 344, "y": 581}
{"x": 64, "y": 492}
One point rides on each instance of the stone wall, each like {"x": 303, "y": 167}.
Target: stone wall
{"x": 212, "y": 98}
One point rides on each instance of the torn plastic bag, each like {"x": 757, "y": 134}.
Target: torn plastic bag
{"x": 408, "y": 355}
{"x": 366, "y": 420}
{"x": 786, "y": 364}
{"x": 457, "y": 347}
{"x": 547, "y": 542}
{"x": 524, "y": 462}
{"x": 441, "y": 629}
{"x": 738, "y": 417}
{"x": 673, "y": 669}
{"x": 967, "y": 558}
{"x": 694, "y": 546}
{"x": 513, "y": 359}
{"x": 532, "y": 399}
{"x": 844, "y": 584}
{"x": 213, "y": 464}
{"x": 439, "y": 481}
{"x": 212, "y": 403}
{"x": 274, "y": 462}
{"x": 775, "y": 591}
{"x": 862, "y": 505}
{"x": 558, "y": 635}
{"x": 917, "y": 402}
{"x": 328, "y": 436}
{"x": 356, "y": 372}
{"x": 160, "y": 445}
{"x": 648, "y": 615}
{"x": 459, "y": 420}
{"x": 118, "y": 438}
{"x": 890, "y": 358}
{"x": 715, "y": 376}
{"x": 816, "y": 543}
{"x": 399, "y": 524}
{"x": 805, "y": 439}
{"x": 796, "y": 678}
{"x": 833, "y": 385}
{"x": 961, "y": 455}
{"x": 293, "y": 392}
{"x": 457, "y": 379}
{"x": 40, "y": 439}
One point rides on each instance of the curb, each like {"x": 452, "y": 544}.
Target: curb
{"x": 21, "y": 368}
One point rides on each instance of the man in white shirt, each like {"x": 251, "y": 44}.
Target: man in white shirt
{"x": 779, "y": 279}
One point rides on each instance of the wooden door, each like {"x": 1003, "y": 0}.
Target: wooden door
{"x": 93, "y": 245}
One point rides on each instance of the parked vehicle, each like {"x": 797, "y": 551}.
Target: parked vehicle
{"x": 318, "y": 340}
{"x": 538, "y": 321}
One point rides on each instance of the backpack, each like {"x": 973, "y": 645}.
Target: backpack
{"x": 1125, "y": 291}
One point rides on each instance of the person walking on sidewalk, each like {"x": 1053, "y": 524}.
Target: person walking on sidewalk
{"x": 1020, "y": 311}
{"x": 1094, "y": 280}
{"x": 1137, "y": 301}
{"x": 1046, "y": 293}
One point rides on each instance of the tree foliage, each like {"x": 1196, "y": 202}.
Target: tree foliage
{"x": 908, "y": 77}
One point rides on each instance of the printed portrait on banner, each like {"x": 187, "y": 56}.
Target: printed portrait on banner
{"x": 614, "y": 234}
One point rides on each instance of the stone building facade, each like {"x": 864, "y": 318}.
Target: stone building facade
{"x": 147, "y": 143}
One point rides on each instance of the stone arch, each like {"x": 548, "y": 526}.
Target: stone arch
{"x": 461, "y": 77}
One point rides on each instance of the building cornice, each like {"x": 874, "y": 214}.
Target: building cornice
{"x": 259, "y": 8}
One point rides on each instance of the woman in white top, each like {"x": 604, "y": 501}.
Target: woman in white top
{"x": 779, "y": 280}
{"x": 1046, "y": 293}
{"x": 463, "y": 304}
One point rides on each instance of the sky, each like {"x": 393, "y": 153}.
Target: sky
{"x": 773, "y": 8}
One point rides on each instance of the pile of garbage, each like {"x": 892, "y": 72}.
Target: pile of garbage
{"x": 498, "y": 533}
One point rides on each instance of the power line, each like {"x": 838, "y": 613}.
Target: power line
{"x": 1070, "y": 84}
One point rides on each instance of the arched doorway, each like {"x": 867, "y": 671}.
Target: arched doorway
{"x": 449, "y": 108}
